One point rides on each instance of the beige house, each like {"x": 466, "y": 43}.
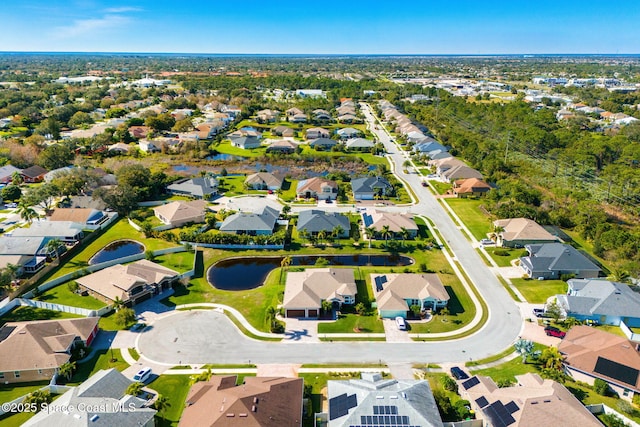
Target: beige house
{"x": 263, "y": 181}
{"x": 518, "y": 232}
{"x": 259, "y": 401}
{"x": 591, "y": 353}
{"x": 533, "y": 402}
{"x": 305, "y": 290}
{"x": 33, "y": 351}
{"x": 131, "y": 283}
{"x": 472, "y": 187}
{"x": 317, "y": 188}
{"x": 396, "y": 293}
{"x": 179, "y": 213}
{"x": 395, "y": 221}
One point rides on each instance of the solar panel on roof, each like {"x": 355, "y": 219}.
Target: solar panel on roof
{"x": 470, "y": 383}
{"x": 339, "y": 406}
{"x": 498, "y": 415}
{"x": 5, "y": 331}
{"x": 482, "y": 402}
{"x": 617, "y": 371}
{"x": 367, "y": 220}
{"x": 512, "y": 407}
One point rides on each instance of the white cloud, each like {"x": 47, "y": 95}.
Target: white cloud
{"x": 92, "y": 25}
{"x": 123, "y": 9}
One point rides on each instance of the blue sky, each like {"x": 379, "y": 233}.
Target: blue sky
{"x": 322, "y": 27}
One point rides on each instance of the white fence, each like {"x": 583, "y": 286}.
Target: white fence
{"x": 600, "y": 408}
{"x": 52, "y": 388}
{"x": 53, "y": 306}
{"x": 218, "y": 246}
{"x": 629, "y": 333}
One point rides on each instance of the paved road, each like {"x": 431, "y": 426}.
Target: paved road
{"x": 201, "y": 337}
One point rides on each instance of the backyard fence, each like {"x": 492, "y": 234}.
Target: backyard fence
{"x": 601, "y": 408}
{"x": 51, "y": 388}
{"x": 25, "y": 302}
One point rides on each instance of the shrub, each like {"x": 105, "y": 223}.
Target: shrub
{"x": 601, "y": 387}
{"x": 449, "y": 383}
{"x": 125, "y": 317}
{"x": 501, "y": 252}
{"x": 73, "y": 286}
{"x": 625, "y": 407}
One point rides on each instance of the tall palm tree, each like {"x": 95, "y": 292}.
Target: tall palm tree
{"x": 284, "y": 265}
{"x": 619, "y": 275}
{"x": 161, "y": 403}
{"x": 386, "y": 233}
{"x": 117, "y": 303}
{"x": 321, "y": 235}
{"x": 337, "y": 231}
{"x": 304, "y": 234}
{"x": 404, "y": 233}
{"x": 27, "y": 213}
{"x": 370, "y": 233}
{"x": 54, "y": 245}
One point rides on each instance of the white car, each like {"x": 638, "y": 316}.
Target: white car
{"x": 401, "y": 323}
{"x": 142, "y": 375}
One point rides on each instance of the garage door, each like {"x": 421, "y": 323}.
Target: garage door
{"x": 313, "y": 313}
{"x": 295, "y": 313}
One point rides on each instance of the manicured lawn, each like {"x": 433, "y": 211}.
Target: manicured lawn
{"x": 505, "y": 255}
{"x": 469, "y": 212}
{"x": 225, "y": 147}
{"x": 352, "y": 322}
{"x": 288, "y": 190}
{"x": 62, "y": 295}
{"x": 441, "y": 187}
{"x": 233, "y": 185}
{"x": 8, "y": 392}
{"x": 101, "y": 360}
{"x": 180, "y": 261}
{"x": 508, "y": 370}
{"x": 175, "y": 388}
{"x": 589, "y": 397}
{"x": 22, "y": 314}
{"x": 373, "y": 160}
{"x": 538, "y": 291}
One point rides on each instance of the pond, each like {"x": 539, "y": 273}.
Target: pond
{"x": 115, "y": 250}
{"x": 239, "y": 274}
{"x": 223, "y": 156}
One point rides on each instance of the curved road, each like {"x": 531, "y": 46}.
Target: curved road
{"x": 208, "y": 336}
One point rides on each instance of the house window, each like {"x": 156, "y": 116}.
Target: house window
{"x": 17, "y": 374}
{"x": 626, "y": 392}
{"x": 1, "y": 375}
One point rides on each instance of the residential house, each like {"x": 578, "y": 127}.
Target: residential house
{"x": 371, "y": 187}
{"x": 395, "y": 294}
{"x": 360, "y": 144}
{"x": 198, "y": 188}
{"x": 34, "y": 350}
{"x": 101, "y": 400}
{"x": 282, "y": 146}
{"x": 460, "y": 172}
{"x": 348, "y": 118}
{"x": 7, "y": 172}
{"x": 119, "y": 148}
{"x": 180, "y": 213}
{"x": 471, "y": 187}
{"x": 321, "y": 115}
{"x": 283, "y": 131}
{"x": 208, "y": 130}
{"x": 591, "y": 353}
{"x": 295, "y": 115}
{"x": 247, "y": 131}
{"x": 261, "y": 222}
{"x": 518, "y": 232}
{"x": 304, "y": 291}
{"x": 66, "y": 231}
{"x": 438, "y": 155}
{"x": 311, "y": 93}
{"x": 139, "y": 132}
{"x": 348, "y": 133}
{"x": 427, "y": 145}
{"x": 131, "y": 283}
{"x": 263, "y": 181}
{"x": 49, "y": 176}
{"x": 315, "y": 133}
{"x": 245, "y": 142}
{"x": 377, "y": 401}
{"x": 259, "y": 401}
{"x": 87, "y": 217}
{"x": 148, "y": 146}
{"x": 314, "y": 221}
{"x": 317, "y": 188}
{"x": 602, "y": 301}
{"x": 33, "y": 174}
{"x": 267, "y": 116}
{"x": 396, "y": 222}
{"x": 555, "y": 260}
{"x": 532, "y": 402}
{"x": 168, "y": 143}
{"x": 28, "y": 253}
{"x": 322, "y": 143}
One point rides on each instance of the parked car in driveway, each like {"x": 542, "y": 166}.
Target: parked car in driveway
{"x": 458, "y": 373}
{"x": 552, "y": 331}
{"x": 538, "y": 312}
{"x": 401, "y": 323}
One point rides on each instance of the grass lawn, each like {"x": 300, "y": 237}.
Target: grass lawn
{"x": 350, "y": 322}
{"x": 288, "y": 190}
{"x": 469, "y": 212}
{"x": 108, "y": 323}
{"x": 225, "y": 147}
{"x": 508, "y": 370}
{"x": 233, "y": 185}
{"x": 101, "y": 360}
{"x": 22, "y": 314}
{"x": 507, "y": 255}
{"x": 538, "y": 291}
{"x": 180, "y": 261}
{"x": 62, "y": 295}
{"x": 175, "y": 388}
{"x": 8, "y": 392}
{"x": 441, "y": 187}
{"x": 373, "y": 160}
{"x": 589, "y": 397}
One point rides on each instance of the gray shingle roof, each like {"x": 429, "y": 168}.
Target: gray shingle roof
{"x": 265, "y": 220}
{"x": 556, "y": 257}
{"x": 316, "y": 220}
{"x": 370, "y": 184}
{"x": 601, "y": 297}
{"x": 197, "y": 187}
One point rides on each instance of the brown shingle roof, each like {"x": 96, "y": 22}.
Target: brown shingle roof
{"x": 522, "y": 229}
{"x": 307, "y": 289}
{"x": 180, "y": 211}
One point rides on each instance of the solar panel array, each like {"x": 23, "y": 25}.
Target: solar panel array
{"x": 498, "y": 415}
{"x": 482, "y": 402}
{"x": 367, "y": 220}
{"x": 470, "y": 383}
{"x": 5, "y": 331}
{"x": 512, "y": 407}
{"x": 339, "y": 406}
{"x": 383, "y": 416}
{"x": 380, "y": 281}
{"x": 617, "y": 371}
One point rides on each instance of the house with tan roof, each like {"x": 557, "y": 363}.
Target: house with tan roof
{"x": 34, "y": 350}
{"x": 532, "y": 402}
{"x": 471, "y": 187}
{"x": 267, "y": 116}
{"x": 396, "y": 222}
{"x": 317, "y": 188}
{"x": 518, "y": 232}
{"x": 179, "y": 213}
{"x": 284, "y": 131}
{"x": 396, "y": 293}
{"x": 591, "y": 353}
{"x": 84, "y": 216}
{"x": 315, "y": 133}
{"x": 282, "y": 146}
{"x": 305, "y": 290}
{"x": 131, "y": 283}
{"x": 263, "y": 181}
{"x": 259, "y": 401}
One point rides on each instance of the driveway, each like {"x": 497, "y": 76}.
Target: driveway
{"x": 393, "y": 334}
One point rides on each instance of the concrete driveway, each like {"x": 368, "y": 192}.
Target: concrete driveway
{"x": 393, "y": 334}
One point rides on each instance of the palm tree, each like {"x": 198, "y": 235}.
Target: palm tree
{"x": 321, "y": 235}
{"x": 284, "y": 265}
{"x": 370, "y": 233}
{"x": 404, "y": 233}
{"x": 304, "y": 234}
{"x": 134, "y": 389}
{"x": 619, "y": 275}
{"x": 337, "y": 231}
{"x": 66, "y": 369}
{"x": 161, "y": 403}
{"x": 497, "y": 232}
{"x": 27, "y": 213}
{"x": 551, "y": 358}
{"x": 54, "y": 245}
{"x": 117, "y": 303}
{"x": 386, "y": 233}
